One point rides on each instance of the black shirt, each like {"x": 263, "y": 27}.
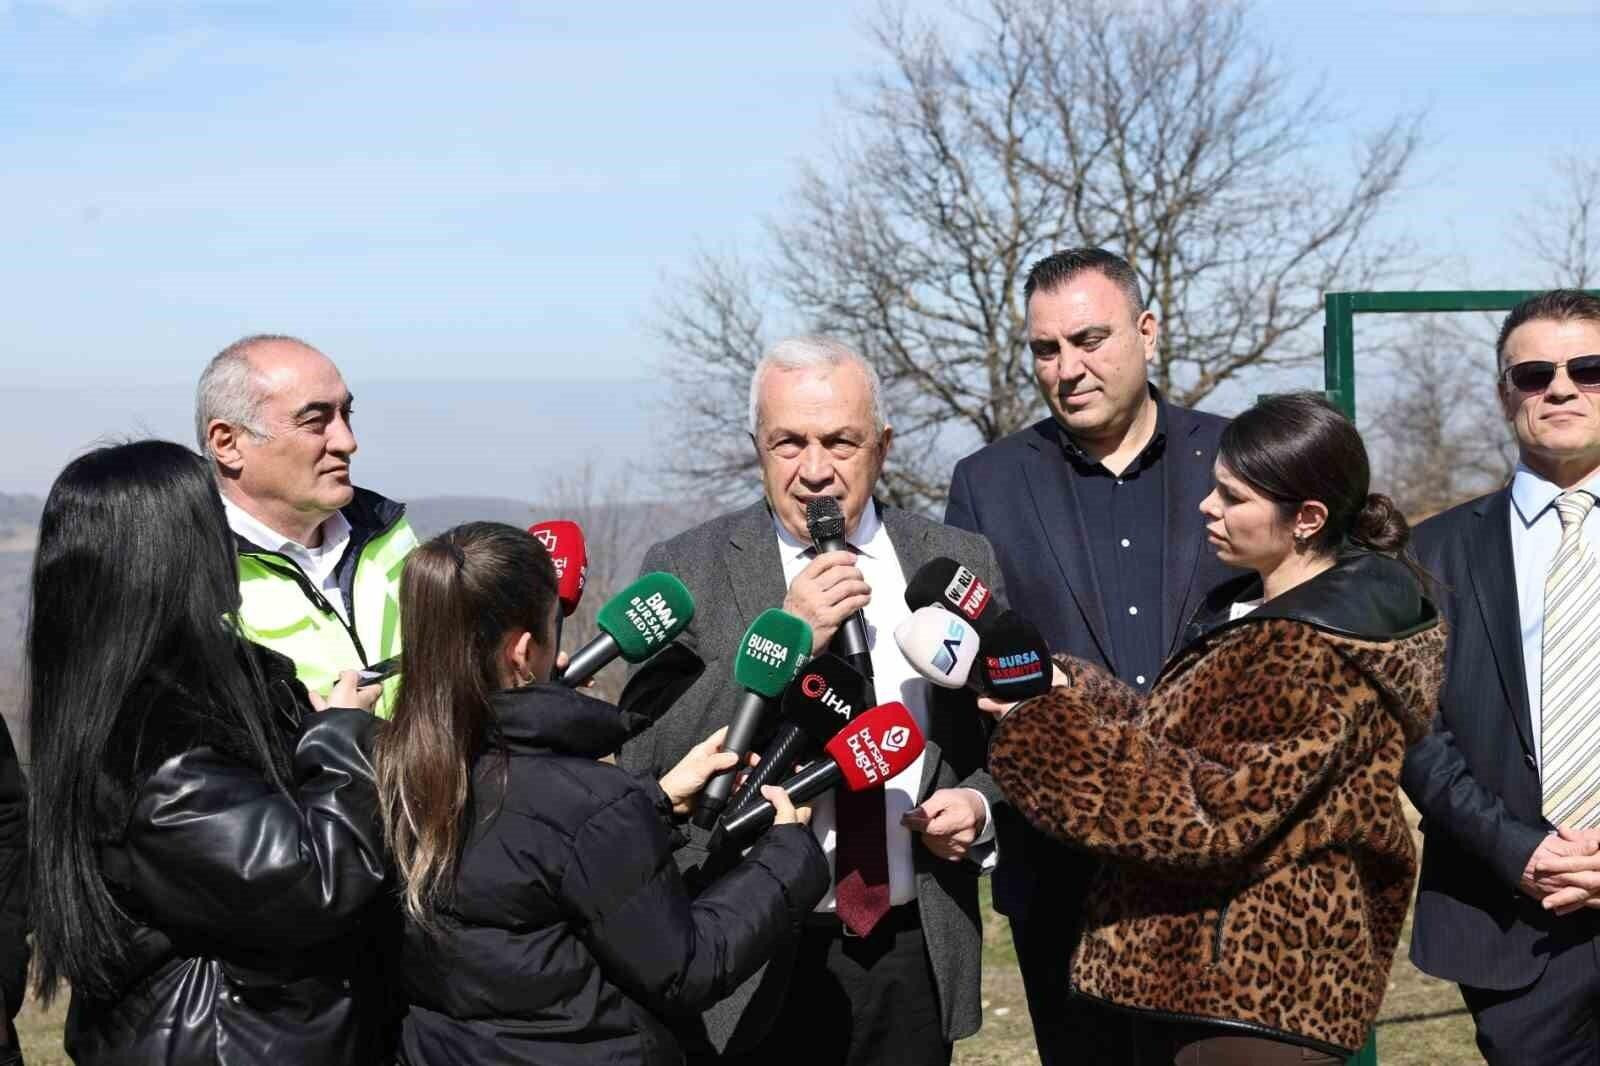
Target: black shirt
{"x": 1124, "y": 519}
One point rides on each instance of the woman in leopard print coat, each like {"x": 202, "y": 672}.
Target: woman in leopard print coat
{"x": 1258, "y": 862}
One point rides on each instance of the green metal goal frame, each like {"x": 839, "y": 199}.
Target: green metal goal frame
{"x": 1339, "y": 375}
{"x": 1341, "y": 308}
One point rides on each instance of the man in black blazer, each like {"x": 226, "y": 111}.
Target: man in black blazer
{"x": 904, "y": 989}
{"x": 1510, "y": 876}
{"x": 1094, "y": 514}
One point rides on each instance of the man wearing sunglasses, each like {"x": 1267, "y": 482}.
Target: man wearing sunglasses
{"x": 1508, "y": 783}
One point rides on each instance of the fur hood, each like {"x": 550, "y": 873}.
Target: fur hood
{"x": 1259, "y": 862}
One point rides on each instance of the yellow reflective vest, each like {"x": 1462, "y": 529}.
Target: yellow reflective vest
{"x": 282, "y": 610}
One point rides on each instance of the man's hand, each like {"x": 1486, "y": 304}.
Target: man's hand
{"x": 949, "y": 821}
{"x": 684, "y": 781}
{"x": 346, "y": 692}
{"x": 829, "y": 590}
{"x": 1563, "y": 872}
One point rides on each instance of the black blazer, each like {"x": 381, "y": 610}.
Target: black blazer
{"x": 1019, "y": 493}
{"x": 1475, "y": 778}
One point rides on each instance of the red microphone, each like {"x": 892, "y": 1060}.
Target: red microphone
{"x": 876, "y": 745}
{"x": 563, "y": 540}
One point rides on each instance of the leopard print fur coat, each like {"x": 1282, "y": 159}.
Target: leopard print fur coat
{"x": 1259, "y": 865}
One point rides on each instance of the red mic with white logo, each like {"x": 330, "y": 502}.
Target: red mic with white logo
{"x": 874, "y": 747}
{"x": 563, "y": 540}
{"x": 822, "y": 698}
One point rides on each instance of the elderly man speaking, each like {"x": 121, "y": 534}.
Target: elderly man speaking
{"x": 907, "y": 988}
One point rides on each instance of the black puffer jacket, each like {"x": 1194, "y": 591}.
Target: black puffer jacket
{"x": 254, "y": 911}
{"x": 570, "y": 937}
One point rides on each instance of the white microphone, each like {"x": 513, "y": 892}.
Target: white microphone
{"x": 939, "y": 645}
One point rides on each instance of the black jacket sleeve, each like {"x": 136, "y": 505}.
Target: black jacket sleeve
{"x": 670, "y": 952}
{"x": 215, "y": 849}
{"x": 13, "y": 890}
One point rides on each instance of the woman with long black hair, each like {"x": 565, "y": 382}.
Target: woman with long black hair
{"x": 1258, "y": 865}
{"x": 206, "y": 846}
{"x": 546, "y": 920}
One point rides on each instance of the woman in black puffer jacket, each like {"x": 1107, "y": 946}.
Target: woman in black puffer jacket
{"x": 208, "y": 865}
{"x": 547, "y": 922}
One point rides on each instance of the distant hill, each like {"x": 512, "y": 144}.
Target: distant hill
{"x": 19, "y": 520}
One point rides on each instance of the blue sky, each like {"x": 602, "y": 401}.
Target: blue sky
{"x": 492, "y": 192}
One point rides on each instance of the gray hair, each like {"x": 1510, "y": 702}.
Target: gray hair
{"x": 231, "y": 391}
{"x": 802, "y": 353}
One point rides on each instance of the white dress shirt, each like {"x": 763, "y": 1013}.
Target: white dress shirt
{"x": 893, "y": 679}
{"x": 1535, "y": 536}
{"x": 319, "y": 564}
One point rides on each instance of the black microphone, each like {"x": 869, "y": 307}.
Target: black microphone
{"x": 958, "y": 589}
{"x": 874, "y": 747}
{"x": 1014, "y": 660}
{"x": 825, "y": 523}
{"x": 826, "y": 695}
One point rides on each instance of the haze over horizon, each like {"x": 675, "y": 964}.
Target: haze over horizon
{"x": 491, "y": 195}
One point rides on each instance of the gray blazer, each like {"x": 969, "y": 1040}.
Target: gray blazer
{"x": 732, "y": 567}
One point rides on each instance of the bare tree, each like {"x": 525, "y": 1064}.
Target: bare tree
{"x": 1439, "y": 437}
{"x": 1163, "y": 131}
{"x": 1562, "y": 233}
{"x": 618, "y": 526}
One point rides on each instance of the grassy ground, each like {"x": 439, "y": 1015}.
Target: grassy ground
{"x": 1420, "y": 1024}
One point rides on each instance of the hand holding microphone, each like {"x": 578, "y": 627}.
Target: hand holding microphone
{"x": 842, "y": 593}
{"x": 866, "y": 753}
{"x": 828, "y": 693}
{"x": 770, "y": 654}
{"x": 1010, "y": 664}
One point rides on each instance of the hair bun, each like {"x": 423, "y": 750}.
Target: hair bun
{"x": 1380, "y": 526}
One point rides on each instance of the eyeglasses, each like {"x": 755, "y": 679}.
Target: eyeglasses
{"x": 1535, "y": 375}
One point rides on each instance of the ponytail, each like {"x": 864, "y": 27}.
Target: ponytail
{"x": 460, "y": 594}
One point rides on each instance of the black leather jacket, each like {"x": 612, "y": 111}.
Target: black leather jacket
{"x": 253, "y": 909}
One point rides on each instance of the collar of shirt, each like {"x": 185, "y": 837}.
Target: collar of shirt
{"x": 335, "y": 532}
{"x": 1146, "y": 457}
{"x": 869, "y": 539}
{"x": 1533, "y": 494}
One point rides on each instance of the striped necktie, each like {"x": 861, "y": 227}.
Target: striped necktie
{"x": 1569, "y": 697}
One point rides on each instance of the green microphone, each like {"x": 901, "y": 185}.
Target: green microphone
{"x": 774, "y": 648}
{"x": 634, "y": 624}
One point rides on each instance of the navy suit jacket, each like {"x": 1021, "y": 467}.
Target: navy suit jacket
{"x": 1475, "y": 778}
{"x": 1019, "y": 493}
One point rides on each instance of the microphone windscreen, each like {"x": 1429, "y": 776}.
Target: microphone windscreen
{"x": 939, "y": 645}
{"x": 821, "y": 701}
{"x": 564, "y": 541}
{"x": 774, "y": 648}
{"x": 1015, "y": 659}
{"x": 875, "y": 746}
{"x": 946, "y": 582}
{"x": 824, "y": 520}
{"x": 645, "y": 617}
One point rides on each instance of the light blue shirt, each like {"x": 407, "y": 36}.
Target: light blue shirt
{"x": 1535, "y": 536}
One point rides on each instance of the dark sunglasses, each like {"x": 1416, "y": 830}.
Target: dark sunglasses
{"x": 1535, "y": 375}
